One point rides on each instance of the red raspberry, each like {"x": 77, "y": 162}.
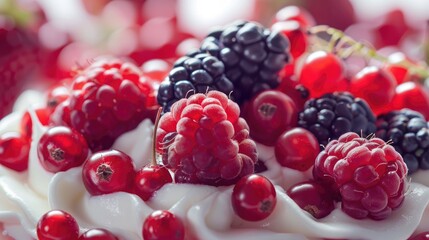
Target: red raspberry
{"x": 108, "y": 98}
{"x": 368, "y": 175}
{"x": 203, "y": 140}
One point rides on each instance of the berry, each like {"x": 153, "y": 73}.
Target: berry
{"x": 375, "y": 86}
{"x": 293, "y": 89}
{"x": 14, "y": 150}
{"x": 57, "y": 225}
{"x": 334, "y": 114}
{"x": 61, "y": 148}
{"x": 196, "y": 73}
{"x": 295, "y": 32}
{"x": 269, "y": 114}
{"x": 252, "y": 55}
{"x": 295, "y": 13}
{"x": 108, "y": 171}
{"x": 203, "y": 140}
{"x": 312, "y": 197}
{"x": 98, "y": 234}
{"x": 27, "y": 125}
{"x": 408, "y": 132}
{"x": 413, "y": 96}
{"x": 396, "y": 66}
{"x": 421, "y": 236}
{"x": 58, "y": 94}
{"x": 369, "y": 176}
{"x": 290, "y": 153}
{"x": 321, "y": 73}
{"x": 163, "y": 225}
{"x": 108, "y": 98}
{"x": 253, "y": 198}
{"x": 149, "y": 179}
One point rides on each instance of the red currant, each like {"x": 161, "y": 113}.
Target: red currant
{"x": 313, "y": 198}
{"x": 374, "y": 85}
{"x": 395, "y": 65}
{"x": 269, "y": 114}
{"x": 253, "y": 197}
{"x": 57, "y": 225}
{"x": 296, "y": 35}
{"x": 98, "y": 234}
{"x": 290, "y": 152}
{"x": 14, "y": 150}
{"x": 149, "y": 179}
{"x": 27, "y": 125}
{"x": 108, "y": 171}
{"x": 61, "y": 148}
{"x": 58, "y": 94}
{"x": 163, "y": 225}
{"x": 296, "y": 14}
{"x": 413, "y": 96}
{"x": 420, "y": 236}
{"x": 321, "y": 73}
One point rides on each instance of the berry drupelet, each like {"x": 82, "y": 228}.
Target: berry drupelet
{"x": 334, "y": 114}
{"x": 253, "y": 56}
{"x": 196, "y": 73}
{"x": 408, "y": 132}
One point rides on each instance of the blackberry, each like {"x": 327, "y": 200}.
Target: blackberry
{"x": 195, "y": 73}
{"x": 334, "y": 114}
{"x": 408, "y": 132}
{"x": 252, "y": 54}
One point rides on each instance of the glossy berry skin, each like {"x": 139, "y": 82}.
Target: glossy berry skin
{"x": 321, "y": 73}
{"x": 61, "y": 148}
{"x": 421, "y": 236}
{"x": 396, "y": 66}
{"x": 269, "y": 114}
{"x": 253, "y": 197}
{"x": 108, "y": 171}
{"x": 163, "y": 225}
{"x": 27, "y": 124}
{"x": 413, "y": 96}
{"x": 149, "y": 179}
{"x": 204, "y": 140}
{"x": 57, "y": 225}
{"x": 295, "y": 13}
{"x": 369, "y": 176}
{"x": 14, "y": 150}
{"x": 296, "y": 34}
{"x": 98, "y": 234}
{"x": 375, "y": 86}
{"x": 312, "y": 197}
{"x": 290, "y": 152}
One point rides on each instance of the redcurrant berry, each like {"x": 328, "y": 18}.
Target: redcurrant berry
{"x": 98, "y": 234}
{"x": 108, "y": 171}
{"x": 413, "y": 96}
{"x": 253, "y": 197}
{"x": 296, "y": 14}
{"x": 149, "y": 179}
{"x": 27, "y": 125}
{"x": 61, "y": 148}
{"x": 163, "y": 225}
{"x": 420, "y": 236}
{"x": 57, "y": 225}
{"x": 14, "y": 150}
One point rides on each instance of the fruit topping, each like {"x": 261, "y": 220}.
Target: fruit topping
{"x": 98, "y": 234}
{"x": 203, "y": 140}
{"x": 334, "y": 114}
{"x": 149, "y": 179}
{"x": 163, "y": 225}
{"x": 368, "y": 175}
{"x": 57, "y": 225}
{"x": 14, "y": 150}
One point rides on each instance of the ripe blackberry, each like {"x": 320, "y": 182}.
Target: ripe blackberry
{"x": 334, "y": 114}
{"x": 253, "y": 56}
{"x": 195, "y": 73}
{"x": 369, "y": 176}
{"x": 409, "y": 133}
{"x": 107, "y": 99}
{"x": 204, "y": 140}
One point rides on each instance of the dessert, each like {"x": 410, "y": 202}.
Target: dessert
{"x": 91, "y": 157}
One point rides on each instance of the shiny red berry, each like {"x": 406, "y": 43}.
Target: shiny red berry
{"x": 14, "y": 150}
{"x": 321, "y": 73}
{"x": 57, "y": 225}
{"x": 149, "y": 179}
{"x": 269, "y": 114}
{"x": 313, "y": 198}
{"x": 420, "y": 236}
{"x": 108, "y": 171}
{"x": 27, "y": 125}
{"x": 290, "y": 152}
{"x": 98, "y": 234}
{"x": 295, "y": 13}
{"x": 163, "y": 225}
{"x": 296, "y": 34}
{"x": 413, "y": 96}
{"x": 61, "y": 148}
{"x": 253, "y": 198}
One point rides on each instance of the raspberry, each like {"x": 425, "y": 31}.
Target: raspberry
{"x": 369, "y": 176}
{"x": 203, "y": 140}
{"x": 334, "y": 114}
{"x": 196, "y": 73}
{"x": 409, "y": 133}
{"x": 108, "y": 98}
{"x": 253, "y": 56}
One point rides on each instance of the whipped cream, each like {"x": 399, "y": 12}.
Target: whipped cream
{"x": 206, "y": 210}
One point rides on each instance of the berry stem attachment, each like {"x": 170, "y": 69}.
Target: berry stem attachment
{"x": 344, "y": 45}
{"x": 155, "y": 127}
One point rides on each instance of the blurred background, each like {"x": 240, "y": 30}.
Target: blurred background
{"x": 42, "y": 41}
